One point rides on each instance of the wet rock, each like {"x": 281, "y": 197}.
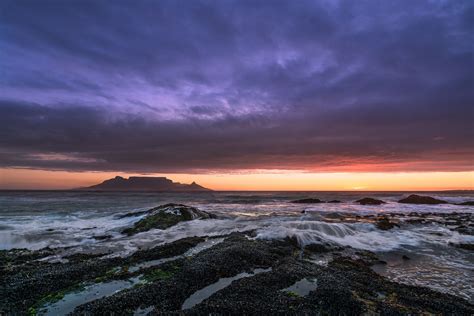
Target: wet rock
{"x": 164, "y": 251}
{"x": 292, "y": 240}
{"x": 405, "y": 257}
{"x": 102, "y": 237}
{"x": 368, "y": 257}
{"x": 19, "y": 257}
{"x": 235, "y": 255}
{"x": 165, "y": 216}
{"x": 344, "y": 287}
{"x": 468, "y": 203}
{"x": 415, "y": 221}
{"x": 464, "y": 246}
{"x": 78, "y": 257}
{"x": 420, "y": 199}
{"x": 384, "y": 223}
{"x": 307, "y": 201}
{"x": 318, "y": 248}
{"x": 465, "y": 230}
{"x": 29, "y": 283}
{"x": 370, "y": 201}
{"x": 334, "y": 201}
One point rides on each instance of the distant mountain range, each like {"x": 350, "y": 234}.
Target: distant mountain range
{"x": 145, "y": 184}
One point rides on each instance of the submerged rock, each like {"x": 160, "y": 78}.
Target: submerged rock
{"x": 468, "y": 203}
{"x": 307, "y": 201}
{"x": 420, "y": 199}
{"x": 165, "y": 216}
{"x": 370, "y": 201}
{"x": 465, "y": 246}
{"x": 465, "y": 230}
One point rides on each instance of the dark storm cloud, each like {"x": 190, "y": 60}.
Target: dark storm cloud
{"x": 222, "y": 85}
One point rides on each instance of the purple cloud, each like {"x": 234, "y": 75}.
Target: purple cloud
{"x": 221, "y": 85}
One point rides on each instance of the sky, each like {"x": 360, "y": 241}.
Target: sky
{"x": 253, "y": 95}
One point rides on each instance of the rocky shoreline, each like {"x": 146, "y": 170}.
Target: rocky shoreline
{"x": 229, "y": 274}
{"x": 412, "y": 199}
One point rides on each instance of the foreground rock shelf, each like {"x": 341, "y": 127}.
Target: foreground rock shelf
{"x": 346, "y": 285}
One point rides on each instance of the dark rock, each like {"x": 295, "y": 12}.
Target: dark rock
{"x": 334, "y": 201}
{"x": 292, "y": 241}
{"x": 465, "y": 246}
{"x": 84, "y": 256}
{"x": 384, "y": 223}
{"x": 415, "y": 221}
{"x": 165, "y": 216}
{"x": 344, "y": 287}
{"x": 405, "y": 257}
{"x": 102, "y": 237}
{"x": 318, "y": 248}
{"x": 370, "y": 201}
{"x": 420, "y": 199}
{"x": 24, "y": 286}
{"x": 307, "y": 201}
{"x": 465, "y": 230}
{"x": 469, "y": 203}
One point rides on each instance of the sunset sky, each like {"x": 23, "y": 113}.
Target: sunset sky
{"x": 238, "y": 95}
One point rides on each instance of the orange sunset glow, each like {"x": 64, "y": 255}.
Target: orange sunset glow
{"x": 262, "y": 181}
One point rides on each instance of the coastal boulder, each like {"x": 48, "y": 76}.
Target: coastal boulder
{"x": 420, "y": 199}
{"x": 307, "y": 201}
{"x": 370, "y": 201}
{"x": 334, "y": 201}
{"x": 165, "y": 216}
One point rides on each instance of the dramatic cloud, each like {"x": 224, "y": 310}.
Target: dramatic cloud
{"x": 210, "y": 86}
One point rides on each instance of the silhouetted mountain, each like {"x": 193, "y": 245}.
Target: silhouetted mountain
{"x": 145, "y": 184}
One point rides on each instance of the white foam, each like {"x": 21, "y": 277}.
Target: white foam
{"x": 357, "y": 235}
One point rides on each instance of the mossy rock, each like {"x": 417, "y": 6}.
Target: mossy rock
{"x": 165, "y": 216}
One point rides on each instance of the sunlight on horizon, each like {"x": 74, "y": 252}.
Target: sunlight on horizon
{"x": 261, "y": 181}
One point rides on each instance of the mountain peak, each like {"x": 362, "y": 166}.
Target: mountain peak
{"x": 145, "y": 184}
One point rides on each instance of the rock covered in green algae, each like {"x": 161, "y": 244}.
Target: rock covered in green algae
{"x": 370, "y": 201}
{"x": 346, "y": 286}
{"x": 27, "y": 284}
{"x": 420, "y": 199}
{"x": 165, "y": 216}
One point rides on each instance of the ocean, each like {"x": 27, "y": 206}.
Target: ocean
{"x": 81, "y": 221}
